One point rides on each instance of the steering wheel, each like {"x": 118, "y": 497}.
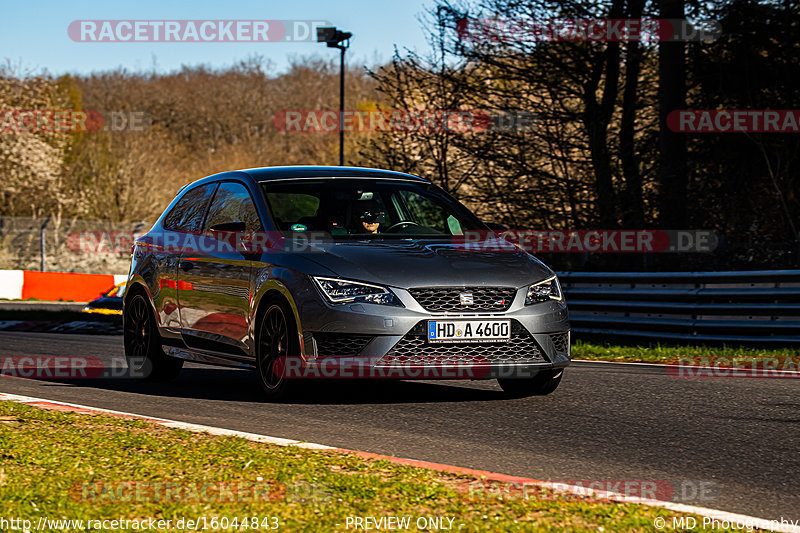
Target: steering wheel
{"x": 400, "y": 224}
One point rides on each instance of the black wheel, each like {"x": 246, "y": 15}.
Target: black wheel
{"x": 541, "y": 384}
{"x": 276, "y": 340}
{"x": 146, "y": 359}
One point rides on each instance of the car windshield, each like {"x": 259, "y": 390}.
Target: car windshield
{"x": 358, "y": 208}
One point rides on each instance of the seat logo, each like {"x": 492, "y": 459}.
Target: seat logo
{"x": 465, "y": 298}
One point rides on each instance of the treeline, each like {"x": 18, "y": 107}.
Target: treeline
{"x": 159, "y": 132}
{"x": 600, "y": 154}
{"x": 595, "y": 151}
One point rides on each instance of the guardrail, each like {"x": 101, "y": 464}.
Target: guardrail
{"x": 757, "y": 307}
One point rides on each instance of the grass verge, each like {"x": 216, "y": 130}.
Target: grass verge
{"x": 68, "y": 466}
{"x": 676, "y": 354}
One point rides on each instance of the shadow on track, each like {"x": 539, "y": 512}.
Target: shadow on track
{"x": 242, "y": 386}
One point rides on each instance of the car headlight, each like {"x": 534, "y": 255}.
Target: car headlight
{"x": 340, "y": 291}
{"x": 549, "y": 289}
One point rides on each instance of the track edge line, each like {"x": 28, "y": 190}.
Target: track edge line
{"x": 756, "y": 522}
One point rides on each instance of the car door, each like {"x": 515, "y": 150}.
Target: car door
{"x": 214, "y": 277}
{"x": 182, "y": 221}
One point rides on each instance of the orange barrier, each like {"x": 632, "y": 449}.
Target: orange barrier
{"x": 65, "y": 286}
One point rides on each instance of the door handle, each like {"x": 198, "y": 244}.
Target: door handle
{"x": 186, "y": 265}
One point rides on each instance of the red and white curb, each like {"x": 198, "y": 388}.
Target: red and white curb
{"x": 483, "y": 475}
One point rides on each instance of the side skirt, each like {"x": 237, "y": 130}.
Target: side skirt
{"x": 206, "y": 357}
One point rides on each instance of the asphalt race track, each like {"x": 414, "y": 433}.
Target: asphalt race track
{"x": 738, "y": 439}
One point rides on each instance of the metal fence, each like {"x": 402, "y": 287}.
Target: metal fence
{"x": 67, "y": 245}
{"x": 757, "y": 307}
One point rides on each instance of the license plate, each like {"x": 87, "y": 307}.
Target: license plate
{"x": 469, "y": 330}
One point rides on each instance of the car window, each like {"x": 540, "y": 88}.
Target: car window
{"x": 291, "y": 208}
{"x": 187, "y": 215}
{"x": 366, "y": 209}
{"x": 427, "y": 212}
{"x": 233, "y": 203}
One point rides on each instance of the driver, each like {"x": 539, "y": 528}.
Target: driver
{"x": 370, "y": 217}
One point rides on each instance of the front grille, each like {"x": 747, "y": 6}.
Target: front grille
{"x": 414, "y": 349}
{"x": 440, "y": 299}
{"x": 340, "y": 344}
{"x": 560, "y": 342}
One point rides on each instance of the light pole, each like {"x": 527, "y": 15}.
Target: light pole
{"x": 341, "y": 40}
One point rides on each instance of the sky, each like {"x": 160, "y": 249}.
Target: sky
{"x": 34, "y": 34}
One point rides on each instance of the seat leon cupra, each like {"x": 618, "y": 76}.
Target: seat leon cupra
{"x": 334, "y": 272}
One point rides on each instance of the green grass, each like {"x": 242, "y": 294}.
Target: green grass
{"x": 675, "y": 354}
{"x": 49, "y": 458}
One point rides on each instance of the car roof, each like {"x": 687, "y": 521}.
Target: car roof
{"x": 267, "y": 174}
{"x": 295, "y": 172}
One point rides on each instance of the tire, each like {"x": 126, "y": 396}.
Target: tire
{"x": 542, "y": 384}
{"x": 276, "y": 338}
{"x": 146, "y": 359}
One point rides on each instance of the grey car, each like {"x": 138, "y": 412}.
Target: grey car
{"x": 337, "y": 272}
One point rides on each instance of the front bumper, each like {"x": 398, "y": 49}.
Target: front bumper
{"x": 375, "y": 341}
{"x": 365, "y": 368}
